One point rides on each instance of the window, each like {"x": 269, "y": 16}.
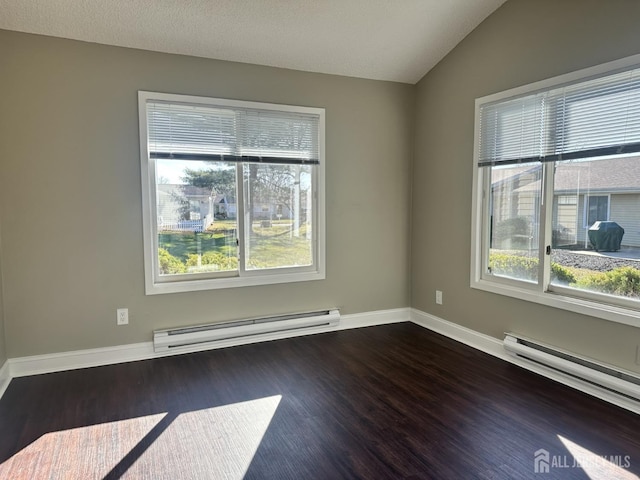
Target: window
{"x": 556, "y": 204}
{"x": 233, "y": 192}
{"x": 597, "y": 209}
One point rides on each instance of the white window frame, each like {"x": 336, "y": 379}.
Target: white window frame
{"x": 598, "y": 305}
{"x": 154, "y": 284}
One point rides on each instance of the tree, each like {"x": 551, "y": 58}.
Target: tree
{"x": 273, "y": 184}
{"x": 267, "y": 183}
{"x": 221, "y": 181}
{"x": 280, "y": 185}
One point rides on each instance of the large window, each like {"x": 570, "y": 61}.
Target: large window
{"x": 232, "y": 192}
{"x": 556, "y": 213}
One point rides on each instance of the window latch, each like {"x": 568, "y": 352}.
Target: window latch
{"x": 548, "y": 249}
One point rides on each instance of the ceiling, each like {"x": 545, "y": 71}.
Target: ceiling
{"x": 396, "y": 40}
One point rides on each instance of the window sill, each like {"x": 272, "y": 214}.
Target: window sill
{"x": 155, "y": 288}
{"x": 604, "y": 311}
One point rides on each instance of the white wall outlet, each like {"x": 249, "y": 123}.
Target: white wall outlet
{"x": 122, "y": 316}
{"x": 438, "y": 297}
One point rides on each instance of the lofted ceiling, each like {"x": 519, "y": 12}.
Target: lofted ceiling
{"x": 395, "y": 40}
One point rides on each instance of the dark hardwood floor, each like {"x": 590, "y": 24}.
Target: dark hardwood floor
{"x": 386, "y": 402}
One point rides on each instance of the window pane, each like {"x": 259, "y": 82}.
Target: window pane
{"x": 514, "y": 211}
{"x": 597, "y": 239}
{"x": 598, "y": 209}
{"x": 196, "y": 217}
{"x": 278, "y": 215}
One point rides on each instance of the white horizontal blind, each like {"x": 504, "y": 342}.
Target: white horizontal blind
{"x": 588, "y": 118}
{"x": 187, "y": 131}
{"x": 510, "y": 131}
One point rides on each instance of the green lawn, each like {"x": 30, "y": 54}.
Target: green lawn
{"x": 183, "y": 244}
{"x": 274, "y": 247}
{"x": 215, "y": 250}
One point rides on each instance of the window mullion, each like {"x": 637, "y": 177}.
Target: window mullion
{"x": 486, "y": 219}
{"x": 546, "y": 226}
{"x": 240, "y": 215}
{"x": 153, "y": 217}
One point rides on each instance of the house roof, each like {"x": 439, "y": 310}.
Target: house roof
{"x": 608, "y": 175}
{"x": 500, "y": 176}
{"x": 378, "y": 39}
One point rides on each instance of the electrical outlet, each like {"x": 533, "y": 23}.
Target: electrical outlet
{"x": 122, "y": 316}
{"x": 438, "y": 297}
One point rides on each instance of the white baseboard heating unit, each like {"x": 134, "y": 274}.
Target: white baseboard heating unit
{"x": 609, "y": 377}
{"x": 200, "y": 337}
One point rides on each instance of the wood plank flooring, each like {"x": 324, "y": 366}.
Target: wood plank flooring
{"x": 387, "y": 402}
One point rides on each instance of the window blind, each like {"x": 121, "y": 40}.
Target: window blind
{"x": 589, "y": 118}
{"x": 232, "y": 134}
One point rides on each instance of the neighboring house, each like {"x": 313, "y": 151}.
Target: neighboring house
{"x": 515, "y": 193}
{"x": 271, "y": 211}
{"x": 224, "y": 206}
{"x": 189, "y": 208}
{"x": 184, "y": 207}
{"x": 584, "y": 192}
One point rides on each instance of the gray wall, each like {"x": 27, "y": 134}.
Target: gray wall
{"x": 522, "y": 42}
{"x": 70, "y": 192}
{"x": 70, "y": 205}
{"x": 3, "y": 349}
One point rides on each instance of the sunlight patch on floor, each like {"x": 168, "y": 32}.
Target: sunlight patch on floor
{"x": 216, "y": 443}
{"x": 83, "y": 452}
{"x": 600, "y": 467}
{"x": 212, "y": 443}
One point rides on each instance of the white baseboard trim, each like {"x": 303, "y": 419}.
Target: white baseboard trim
{"x": 57, "y": 362}
{"x": 493, "y": 346}
{"x": 472, "y": 338}
{"x": 5, "y": 377}
{"x": 94, "y": 357}
{"x": 371, "y": 319}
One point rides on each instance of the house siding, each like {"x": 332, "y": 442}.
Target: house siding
{"x": 582, "y": 229}
{"x": 624, "y": 210}
{"x": 527, "y": 206}
{"x": 565, "y": 222}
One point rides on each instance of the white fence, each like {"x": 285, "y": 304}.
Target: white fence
{"x": 186, "y": 225}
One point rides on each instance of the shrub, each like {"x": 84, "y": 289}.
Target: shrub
{"x": 623, "y": 281}
{"x": 217, "y": 259}
{"x": 514, "y": 265}
{"x": 170, "y": 264}
{"x": 526, "y": 268}
{"x": 512, "y": 226}
{"x": 562, "y": 274}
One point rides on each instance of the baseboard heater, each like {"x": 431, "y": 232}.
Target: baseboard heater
{"x": 597, "y": 373}
{"x": 203, "y": 336}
